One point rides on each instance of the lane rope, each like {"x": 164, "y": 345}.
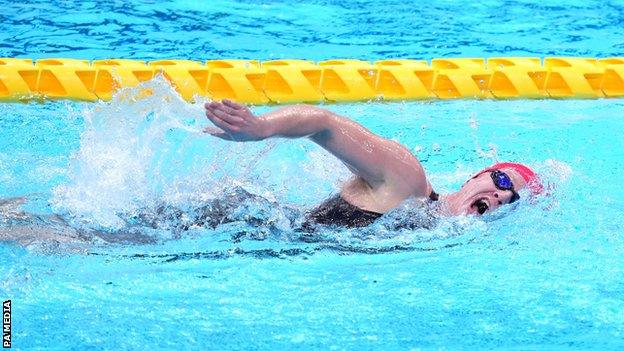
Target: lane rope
{"x": 344, "y": 80}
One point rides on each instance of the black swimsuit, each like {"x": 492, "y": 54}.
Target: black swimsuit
{"x": 334, "y": 211}
{"x": 337, "y": 211}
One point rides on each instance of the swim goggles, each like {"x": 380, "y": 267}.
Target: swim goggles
{"x": 502, "y": 181}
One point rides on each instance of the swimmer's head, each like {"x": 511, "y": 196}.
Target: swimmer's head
{"x": 493, "y": 187}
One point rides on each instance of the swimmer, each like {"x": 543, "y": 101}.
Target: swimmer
{"x": 385, "y": 172}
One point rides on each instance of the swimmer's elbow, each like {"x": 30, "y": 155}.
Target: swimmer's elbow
{"x": 318, "y": 122}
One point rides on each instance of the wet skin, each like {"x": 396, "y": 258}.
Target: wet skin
{"x": 385, "y": 172}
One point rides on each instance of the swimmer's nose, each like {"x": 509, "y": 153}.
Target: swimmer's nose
{"x": 503, "y": 197}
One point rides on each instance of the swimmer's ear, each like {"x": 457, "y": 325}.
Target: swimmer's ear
{"x": 217, "y": 133}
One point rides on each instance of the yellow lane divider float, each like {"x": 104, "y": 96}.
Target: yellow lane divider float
{"x": 289, "y": 81}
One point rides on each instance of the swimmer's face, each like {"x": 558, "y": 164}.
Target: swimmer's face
{"x": 479, "y": 195}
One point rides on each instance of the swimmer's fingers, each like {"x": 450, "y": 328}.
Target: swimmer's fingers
{"x": 225, "y": 113}
{"x": 238, "y": 109}
{"x": 233, "y": 105}
{"x": 232, "y": 112}
{"x": 217, "y": 121}
{"x": 235, "y": 122}
{"x": 231, "y": 115}
{"x": 217, "y": 133}
{"x": 218, "y": 106}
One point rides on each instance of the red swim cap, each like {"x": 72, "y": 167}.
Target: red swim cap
{"x": 533, "y": 182}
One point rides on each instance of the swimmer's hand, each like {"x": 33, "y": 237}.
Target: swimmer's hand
{"x": 235, "y": 122}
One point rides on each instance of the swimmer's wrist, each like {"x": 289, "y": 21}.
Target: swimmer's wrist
{"x": 266, "y": 128}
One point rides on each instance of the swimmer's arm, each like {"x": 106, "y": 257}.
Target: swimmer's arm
{"x": 368, "y": 155}
{"x": 237, "y": 123}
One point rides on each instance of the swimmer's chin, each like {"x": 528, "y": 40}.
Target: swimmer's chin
{"x": 464, "y": 208}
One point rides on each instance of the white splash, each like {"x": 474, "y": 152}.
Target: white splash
{"x": 142, "y": 150}
{"x": 119, "y": 165}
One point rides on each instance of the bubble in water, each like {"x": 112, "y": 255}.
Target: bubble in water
{"x": 473, "y": 121}
{"x": 557, "y": 170}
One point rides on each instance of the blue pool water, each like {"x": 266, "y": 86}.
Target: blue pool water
{"x": 546, "y": 276}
